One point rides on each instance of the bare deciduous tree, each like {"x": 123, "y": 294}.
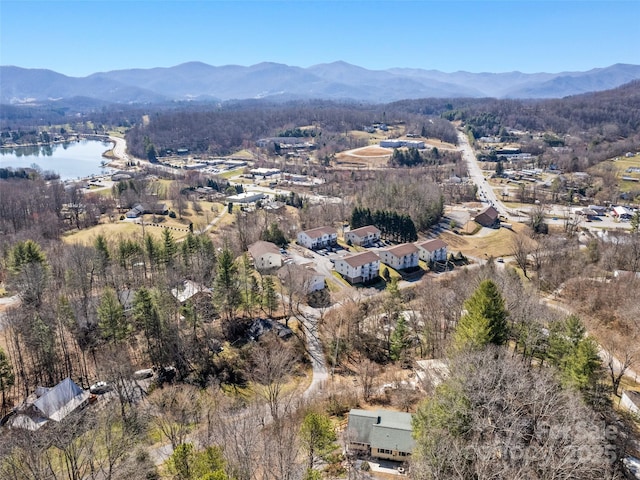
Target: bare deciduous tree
{"x": 175, "y": 409}
{"x": 618, "y": 359}
{"x": 497, "y": 418}
{"x": 273, "y": 364}
{"x": 521, "y": 247}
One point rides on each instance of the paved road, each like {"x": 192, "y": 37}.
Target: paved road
{"x": 555, "y": 214}
{"x": 120, "y": 151}
{"x": 485, "y": 192}
{"x": 310, "y": 319}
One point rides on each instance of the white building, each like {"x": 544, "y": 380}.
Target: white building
{"x": 318, "y": 238}
{"x": 623, "y": 213}
{"x": 363, "y": 236}
{"x": 401, "y": 256}
{"x": 432, "y": 251}
{"x": 358, "y": 268}
{"x": 246, "y": 197}
{"x": 305, "y": 277}
{"x": 264, "y": 172}
{"x": 391, "y": 143}
{"x": 396, "y": 143}
{"x": 265, "y": 255}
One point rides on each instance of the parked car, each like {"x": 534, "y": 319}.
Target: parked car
{"x": 99, "y": 388}
{"x": 142, "y": 374}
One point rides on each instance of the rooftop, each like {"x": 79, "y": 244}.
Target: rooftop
{"x": 360, "y": 259}
{"x": 366, "y": 230}
{"x": 403, "y": 249}
{"x": 188, "y": 289}
{"x": 261, "y": 247}
{"x": 432, "y": 245}
{"x": 320, "y": 231}
{"x": 382, "y": 429}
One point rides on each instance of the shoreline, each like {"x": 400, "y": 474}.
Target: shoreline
{"x": 73, "y": 139}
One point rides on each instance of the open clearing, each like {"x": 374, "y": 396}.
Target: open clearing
{"x": 628, "y": 167}
{"x": 371, "y": 156}
{"x": 497, "y": 243}
{"x": 129, "y": 229}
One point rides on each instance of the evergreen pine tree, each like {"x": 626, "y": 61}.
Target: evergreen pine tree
{"x": 399, "y": 339}
{"x": 485, "y": 318}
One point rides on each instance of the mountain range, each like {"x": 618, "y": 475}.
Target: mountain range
{"x": 332, "y": 81}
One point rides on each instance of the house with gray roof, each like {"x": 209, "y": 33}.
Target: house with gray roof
{"x": 50, "y": 404}
{"x": 382, "y": 434}
{"x": 266, "y": 255}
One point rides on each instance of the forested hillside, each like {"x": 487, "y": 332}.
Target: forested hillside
{"x": 234, "y": 126}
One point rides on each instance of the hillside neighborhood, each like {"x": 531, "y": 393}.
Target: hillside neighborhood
{"x": 376, "y": 292}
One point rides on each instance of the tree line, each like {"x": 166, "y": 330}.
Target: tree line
{"x": 394, "y": 226}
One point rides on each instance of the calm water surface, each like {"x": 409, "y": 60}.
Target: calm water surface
{"x": 69, "y": 160}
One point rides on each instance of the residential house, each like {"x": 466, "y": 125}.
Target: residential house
{"x": 260, "y": 326}
{"x": 189, "y": 290}
{"x": 305, "y": 277}
{"x": 316, "y": 238}
{"x": 359, "y": 268}
{"x": 266, "y": 255}
{"x": 50, "y": 404}
{"x": 135, "y": 212}
{"x": 126, "y": 297}
{"x": 401, "y": 256}
{"x": 382, "y": 434}
{"x": 631, "y": 401}
{"x": 363, "y": 236}
{"x": 488, "y": 217}
{"x": 155, "y": 208}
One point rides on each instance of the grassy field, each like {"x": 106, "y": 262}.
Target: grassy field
{"x": 179, "y": 227}
{"x": 495, "y": 244}
{"x": 624, "y": 163}
{"x": 110, "y": 230}
{"x": 621, "y": 164}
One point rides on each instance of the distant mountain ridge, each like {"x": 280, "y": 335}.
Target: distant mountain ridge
{"x": 331, "y": 81}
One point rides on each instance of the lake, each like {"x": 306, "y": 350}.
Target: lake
{"x": 69, "y": 160}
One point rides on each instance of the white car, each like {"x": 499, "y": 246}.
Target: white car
{"x": 99, "y": 388}
{"x": 142, "y": 374}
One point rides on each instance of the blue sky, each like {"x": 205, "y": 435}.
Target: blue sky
{"x": 86, "y": 36}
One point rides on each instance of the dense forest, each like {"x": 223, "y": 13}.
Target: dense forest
{"x": 232, "y": 127}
